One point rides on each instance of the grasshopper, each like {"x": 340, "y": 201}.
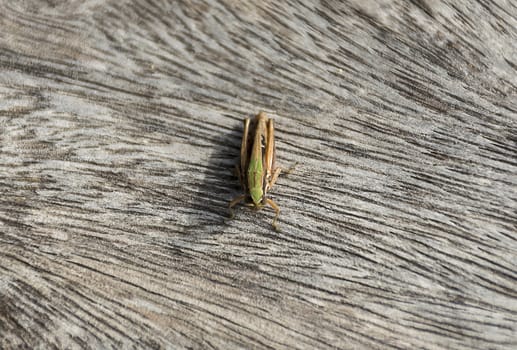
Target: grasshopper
{"x": 256, "y": 169}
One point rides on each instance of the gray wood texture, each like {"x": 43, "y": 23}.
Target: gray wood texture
{"x": 120, "y": 123}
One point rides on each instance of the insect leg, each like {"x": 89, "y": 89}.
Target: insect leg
{"x": 276, "y": 173}
{"x": 238, "y": 173}
{"x": 234, "y": 202}
{"x": 269, "y": 153}
{"x": 244, "y": 149}
{"x": 291, "y": 168}
{"x": 277, "y": 211}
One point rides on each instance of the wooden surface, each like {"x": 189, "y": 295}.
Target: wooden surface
{"x": 120, "y": 123}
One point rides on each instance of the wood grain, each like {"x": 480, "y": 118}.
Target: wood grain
{"x": 120, "y": 122}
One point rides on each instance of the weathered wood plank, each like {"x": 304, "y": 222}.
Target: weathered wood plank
{"x": 120, "y": 122}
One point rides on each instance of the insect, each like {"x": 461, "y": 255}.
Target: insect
{"x": 256, "y": 169}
